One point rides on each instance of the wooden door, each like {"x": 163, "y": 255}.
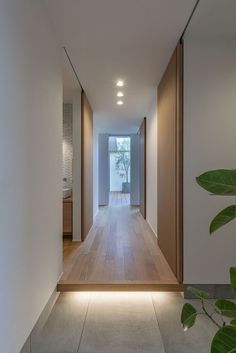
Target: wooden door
{"x": 170, "y": 163}
{"x": 86, "y": 166}
{"x": 142, "y": 192}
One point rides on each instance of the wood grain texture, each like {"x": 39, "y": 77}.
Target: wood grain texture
{"x": 143, "y": 143}
{"x": 170, "y": 163}
{"x": 119, "y": 287}
{"x": 67, "y": 216}
{"x": 119, "y": 250}
{"x": 69, "y": 247}
{"x": 179, "y": 162}
{"x": 86, "y": 166}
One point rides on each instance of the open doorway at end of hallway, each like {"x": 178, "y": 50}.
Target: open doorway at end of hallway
{"x": 119, "y": 170}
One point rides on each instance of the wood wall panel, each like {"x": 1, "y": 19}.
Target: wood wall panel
{"x": 86, "y": 166}
{"x": 170, "y": 163}
{"x": 67, "y": 216}
{"x": 142, "y": 192}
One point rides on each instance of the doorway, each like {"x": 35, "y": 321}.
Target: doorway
{"x": 119, "y": 170}
{"x": 67, "y": 158}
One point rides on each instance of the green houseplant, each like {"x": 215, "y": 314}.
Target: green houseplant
{"x": 218, "y": 182}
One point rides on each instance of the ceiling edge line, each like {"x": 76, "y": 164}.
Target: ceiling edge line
{"x": 189, "y": 20}
{"x": 73, "y": 68}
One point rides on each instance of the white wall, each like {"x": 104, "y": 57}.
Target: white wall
{"x": 134, "y": 170}
{"x": 152, "y": 166}
{"x": 209, "y": 143}
{"x": 76, "y": 167}
{"x": 31, "y": 169}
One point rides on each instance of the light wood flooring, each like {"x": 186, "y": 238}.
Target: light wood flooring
{"x": 117, "y": 198}
{"x": 69, "y": 247}
{"x": 119, "y": 253}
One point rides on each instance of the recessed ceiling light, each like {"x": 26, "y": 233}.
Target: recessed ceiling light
{"x": 120, "y": 83}
{"x": 120, "y": 94}
{"x": 120, "y": 103}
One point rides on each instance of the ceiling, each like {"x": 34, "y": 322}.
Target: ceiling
{"x": 213, "y": 19}
{"x": 70, "y": 83}
{"x": 126, "y": 39}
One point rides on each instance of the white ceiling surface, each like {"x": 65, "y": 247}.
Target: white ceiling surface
{"x": 70, "y": 83}
{"x": 126, "y": 39}
{"x": 214, "y": 19}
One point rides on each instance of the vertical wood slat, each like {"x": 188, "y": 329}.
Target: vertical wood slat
{"x": 170, "y": 150}
{"x": 179, "y": 162}
{"x": 86, "y": 166}
{"x": 142, "y": 134}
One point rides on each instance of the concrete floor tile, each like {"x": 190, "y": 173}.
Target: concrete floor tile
{"x": 168, "y": 308}
{"x": 121, "y": 323}
{"x": 62, "y": 331}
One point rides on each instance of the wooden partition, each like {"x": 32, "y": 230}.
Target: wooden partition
{"x": 170, "y": 163}
{"x": 142, "y": 192}
{"x": 86, "y": 166}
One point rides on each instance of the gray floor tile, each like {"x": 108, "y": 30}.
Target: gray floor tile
{"x": 168, "y": 309}
{"x": 62, "y": 331}
{"x": 121, "y": 323}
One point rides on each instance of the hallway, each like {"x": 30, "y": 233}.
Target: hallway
{"x": 117, "y": 122}
{"x": 119, "y": 250}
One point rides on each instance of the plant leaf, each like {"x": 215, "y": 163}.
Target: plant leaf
{"x": 233, "y": 279}
{"x": 219, "y": 182}
{"x": 226, "y": 308}
{"x": 224, "y": 217}
{"x": 198, "y": 293}
{"x": 233, "y": 322}
{"x": 224, "y": 340}
{"x": 188, "y": 316}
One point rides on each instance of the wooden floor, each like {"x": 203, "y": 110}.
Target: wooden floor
{"x": 120, "y": 253}
{"x": 118, "y": 198}
{"x": 69, "y": 247}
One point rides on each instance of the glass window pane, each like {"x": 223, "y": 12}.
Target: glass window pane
{"x": 123, "y": 143}
{"x": 119, "y": 143}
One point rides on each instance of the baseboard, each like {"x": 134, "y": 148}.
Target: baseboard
{"x": 60, "y": 276}
{"x": 94, "y": 217}
{"x": 223, "y": 291}
{"x": 76, "y": 240}
{"x": 41, "y": 321}
{"x": 27, "y": 346}
{"x": 151, "y": 229}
